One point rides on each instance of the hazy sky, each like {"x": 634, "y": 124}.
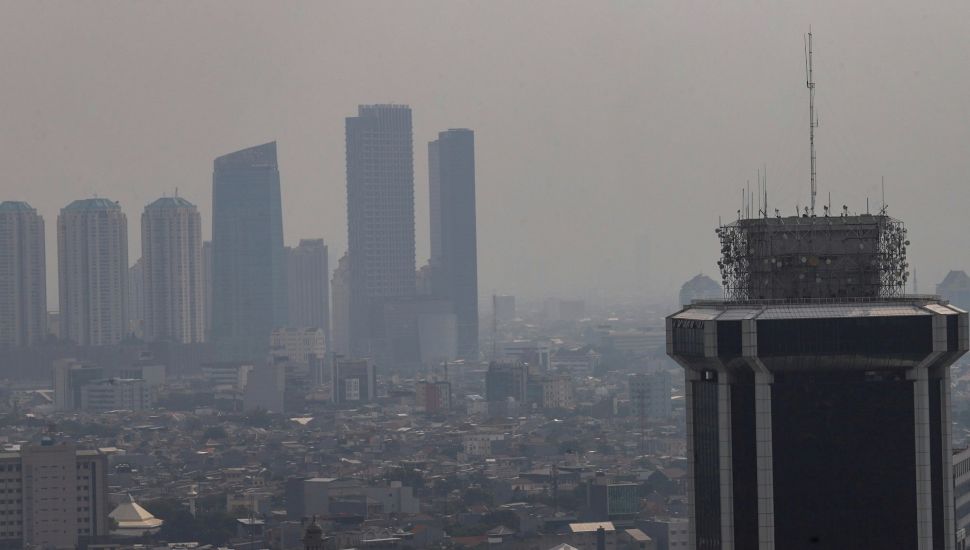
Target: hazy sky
{"x": 610, "y": 136}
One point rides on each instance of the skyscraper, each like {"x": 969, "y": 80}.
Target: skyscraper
{"x": 817, "y": 393}
{"x": 92, "y": 267}
{"x": 23, "y": 275}
{"x": 380, "y": 218}
{"x": 454, "y": 249}
{"x": 171, "y": 244}
{"x": 308, "y": 273}
{"x": 248, "y": 270}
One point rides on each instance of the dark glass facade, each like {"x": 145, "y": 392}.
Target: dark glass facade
{"x": 831, "y": 422}
{"x": 844, "y": 464}
{"x": 707, "y": 478}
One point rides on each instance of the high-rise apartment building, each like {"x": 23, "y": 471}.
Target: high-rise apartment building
{"x": 171, "y": 244}
{"x": 248, "y": 265}
{"x": 308, "y": 274}
{"x": 380, "y": 219}
{"x": 454, "y": 248}
{"x": 92, "y": 267}
{"x": 23, "y": 275}
{"x": 55, "y": 496}
{"x": 817, "y": 393}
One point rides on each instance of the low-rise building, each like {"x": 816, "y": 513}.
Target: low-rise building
{"x": 114, "y": 394}
{"x": 56, "y": 496}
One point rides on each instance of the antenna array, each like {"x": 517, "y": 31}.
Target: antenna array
{"x": 812, "y": 120}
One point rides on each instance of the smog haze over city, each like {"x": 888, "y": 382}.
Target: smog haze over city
{"x": 494, "y": 275}
{"x": 610, "y": 136}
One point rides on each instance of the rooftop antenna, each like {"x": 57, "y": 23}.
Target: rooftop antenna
{"x": 766, "y": 189}
{"x": 883, "y": 209}
{"x": 812, "y": 121}
{"x": 760, "y": 212}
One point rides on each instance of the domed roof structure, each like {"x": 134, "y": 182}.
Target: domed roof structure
{"x": 133, "y": 520}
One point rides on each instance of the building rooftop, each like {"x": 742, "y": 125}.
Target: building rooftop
{"x": 15, "y": 206}
{"x": 93, "y": 204}
{"x": 171, "y": 202}
{"x": 592, "y": 527}
{"x": 259, "y": 156}
{"x": 726, "y": 310}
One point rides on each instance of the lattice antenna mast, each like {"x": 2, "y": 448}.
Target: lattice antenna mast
{"x": 812, "y": 120}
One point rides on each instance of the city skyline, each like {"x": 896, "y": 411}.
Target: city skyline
{"x": 615, "y": 126}
{"x": 545, "y": 275}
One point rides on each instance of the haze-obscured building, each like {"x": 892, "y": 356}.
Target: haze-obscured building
{"x": 955, "y": 288}
{"x": 354, "y": 381}
{"x": 380, "y": 219}
{"x": 340, "y": 290}
{"x": 207, "y": 287}
{"x": 454, "y": 246}
{"x": 700, "y": 287}
{"x": 136, "y": 298}
{"x": 506, "y": 380}
{"x": 70, "y": 376}
{"x": 174, "y": 290}
{"x": 23, "y": 275}
{"x": 116, "y": 394}
{"x": 249, "y": 295}
{"x": 503, "y": 307}
{"x": 308, "y": 286}
{"x": 650, "y": 394}
{"x": 92, "y": 267}
{"x": 306, "y": 347}
{"x": 432, "y": 396}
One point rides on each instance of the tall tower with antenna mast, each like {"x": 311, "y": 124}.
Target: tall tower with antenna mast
{"x": 816, "y": 392}
{"x": 812, "y": 120}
